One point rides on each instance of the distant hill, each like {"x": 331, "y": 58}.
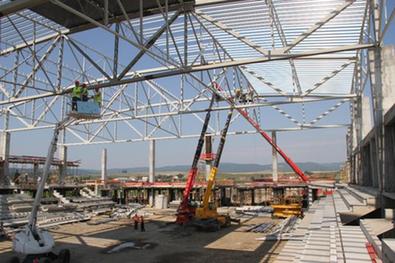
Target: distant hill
{"x": 226, "y": 167}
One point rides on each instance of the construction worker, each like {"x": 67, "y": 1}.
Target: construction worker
{"x": 75, "y": 95}
{"x": 97, "y": 97}
{"x": 142, "y": 227}
{"x": 237, "y": 92}
{"x": 136, "y": 221}
{"x": 84, "y": 92}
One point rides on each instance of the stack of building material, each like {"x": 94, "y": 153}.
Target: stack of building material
{"x": 94, "y": 205}
{"x": 44, "y": 220}
{"x": 322, "y": 238}
{"x": 15, "y": 211}
{"x": 14, "y": 206}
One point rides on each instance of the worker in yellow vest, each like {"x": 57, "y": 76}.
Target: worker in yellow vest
{"x": 97, "y": 97}
{"x": 84, "y": 92}
{"x": 75, "y": 95}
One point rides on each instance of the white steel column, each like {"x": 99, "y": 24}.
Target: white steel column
{"x": 274, "y": 159}
{"x": 63, "y": 166}
{"x": 151, "y": 174}
{"x": 104, "y": 165}
{"x": 4, "y": 154}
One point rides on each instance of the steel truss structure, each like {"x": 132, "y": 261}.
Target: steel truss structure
{"x": 157, "y": 65}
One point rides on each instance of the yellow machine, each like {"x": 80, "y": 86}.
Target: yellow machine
{"x": 284, "y": 211}
{"x": 208, "y": 211}
{"x": 206, "y": 216}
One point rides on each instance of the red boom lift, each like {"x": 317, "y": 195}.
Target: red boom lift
{"x": 186, "y": 212}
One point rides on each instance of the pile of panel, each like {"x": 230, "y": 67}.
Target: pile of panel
{"x": 321, "y": 237}
{"x": 15, "y": 211}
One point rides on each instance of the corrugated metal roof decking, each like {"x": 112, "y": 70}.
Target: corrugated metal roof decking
{"x": 325, "y": 239}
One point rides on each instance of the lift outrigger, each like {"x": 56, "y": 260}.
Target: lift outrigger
{"x": 37, "y": 244}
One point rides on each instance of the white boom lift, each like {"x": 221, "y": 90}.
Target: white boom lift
{"x": 37, "y": 244}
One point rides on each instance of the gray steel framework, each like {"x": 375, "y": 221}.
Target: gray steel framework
{"x": 157, "y": 75}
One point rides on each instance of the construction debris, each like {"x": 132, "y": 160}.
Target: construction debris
{"x": 255, "y": 210}
{"x": 281, "y": 231}
{"x": 126, "y": 211}
{"x": 130, "y": 244}
{"x": 261, "y": 228}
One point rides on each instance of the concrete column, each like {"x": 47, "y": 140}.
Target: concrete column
{"x": 104, "y": 165}
{"x": 310, "y": 196}
{"x": 208, "y": 149}
{"x": 63, "y": 166}
{"x": 35, "y": 170}
{"x": 366, "y": 116}
{"x": 5, "y": 139}
{"x": 151, "y": 174}
{"x": 388, "y": 76}
{"x": 274, "y": 159}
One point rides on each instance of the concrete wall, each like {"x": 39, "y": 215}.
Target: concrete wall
{"x": 388, "y": 76}
{"x": 364, "y": 162}
{"x": 389, "y": 172}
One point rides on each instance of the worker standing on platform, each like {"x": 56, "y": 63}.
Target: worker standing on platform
{"x": 97, "y": 97}
{"x": 84, "y": 92}
{"x": 75, "y": 95}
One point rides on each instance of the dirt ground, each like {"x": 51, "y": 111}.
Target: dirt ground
{"x": 161, "y": 242}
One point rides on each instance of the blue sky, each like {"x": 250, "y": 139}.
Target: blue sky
{"x": 324, "y": 145}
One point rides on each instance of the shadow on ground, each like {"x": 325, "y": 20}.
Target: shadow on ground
{"x": 161, "y": 242}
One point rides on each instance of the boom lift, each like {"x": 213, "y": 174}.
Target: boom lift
{"x": 185, "y": 211}
{"x": 207, "y": 216}
{"x": 37, "y": 244}
{"x": 280, "y": 210}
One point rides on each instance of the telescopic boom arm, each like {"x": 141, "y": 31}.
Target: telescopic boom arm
{"x": 288, "y": 160}
{"x": 184, "y": 211}
{"x": 43, "y": 179}
{"x": 214, "y": 169}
